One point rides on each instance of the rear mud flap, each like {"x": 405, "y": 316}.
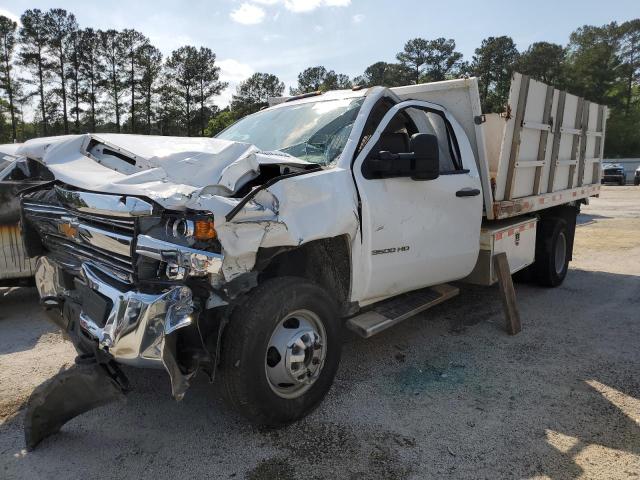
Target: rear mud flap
{"x": 70, "y": 393}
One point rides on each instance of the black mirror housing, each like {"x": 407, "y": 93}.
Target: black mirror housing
{"x": 421, "y": 163}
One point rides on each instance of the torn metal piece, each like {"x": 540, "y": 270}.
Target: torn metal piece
{"x": 70, "y": 393}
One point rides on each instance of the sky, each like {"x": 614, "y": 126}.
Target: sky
{"x": 284, "y": 37}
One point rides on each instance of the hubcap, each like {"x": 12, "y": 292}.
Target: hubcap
{"x": 561, "y": 253}
{"x": 295, "y": 354}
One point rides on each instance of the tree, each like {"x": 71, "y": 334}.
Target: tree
{"x": 593, "y": 63}
{"x": 336, "y": 81}
{"x": 33, "y": 42}
{"x": 91, "y": 71}
{"x": 543, "y": 61}
{"x": 493, "y": 63}
{"x": 208, "y": 84}
{"x": 132, "y": 42}
{"x": 253, "y": 94}
{"x": 442, "y": 59}
{"x": 112, "y": 52}
{"x": 180, "y": 69}
{"x": 630, "y": 58}
{"x": 59, "y": 27}
{"x": 314, "y": 79}
{"x": 385, "y": 74}
{"x": 74, "y": 77}
{"x": 414, "y": 56}
{"x": 150, "y": 61}
{"x": 7, "y": 44}
{"x": 219, "y": 122}
{"x": 310, "y": 80}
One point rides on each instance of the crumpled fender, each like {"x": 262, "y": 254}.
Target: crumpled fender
{"x": 70, "y": 393}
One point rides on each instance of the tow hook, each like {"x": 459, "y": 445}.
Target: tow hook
{"x": 72, "y": 392}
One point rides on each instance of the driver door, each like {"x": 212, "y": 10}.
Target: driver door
{"x": 417, "y": 233}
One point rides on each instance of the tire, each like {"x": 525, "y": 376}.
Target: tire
{"x": 275, "y": 312}
{"x": 550, "y": 270}
{"x": 622, "y": 183}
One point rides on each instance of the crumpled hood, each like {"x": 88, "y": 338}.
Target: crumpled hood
{"x": 172, "y": 171}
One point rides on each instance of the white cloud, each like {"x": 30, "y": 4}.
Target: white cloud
{"x": 234, "y": 72}
{"x": 359, "y": 18}
{"x": 301, "y": 6}
{"x": 10, "y": 15}
{"x": 231, "y": 70}
{"x": 248, "y": 14}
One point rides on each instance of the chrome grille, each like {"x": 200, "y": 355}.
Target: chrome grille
{"x": 76, "y": 237}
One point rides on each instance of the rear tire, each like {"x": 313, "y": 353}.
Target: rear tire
{"x": 552, "y": 252}
{"x": 280, "y": 351}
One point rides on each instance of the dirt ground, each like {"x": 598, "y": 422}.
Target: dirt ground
{"x": 446, "y": 394}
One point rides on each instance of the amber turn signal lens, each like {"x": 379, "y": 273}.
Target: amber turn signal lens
{"x": 204, "y": 230}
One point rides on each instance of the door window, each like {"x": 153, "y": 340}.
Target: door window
{"x": 397, "y": 135}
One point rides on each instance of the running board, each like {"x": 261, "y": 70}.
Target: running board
{"x": 394, "y": 310}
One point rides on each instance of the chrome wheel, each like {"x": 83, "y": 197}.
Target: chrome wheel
{"x": 560, "y": 253}
{"x": 295, "y": 354}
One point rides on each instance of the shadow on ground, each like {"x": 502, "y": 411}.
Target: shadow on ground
{"x": 446, "y": 393}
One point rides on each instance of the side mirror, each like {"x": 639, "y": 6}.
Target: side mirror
{"x": 421, "y": 163}
{"x": 427, "y": 156}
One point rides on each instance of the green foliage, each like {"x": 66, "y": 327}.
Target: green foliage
{"x": 253, "y": 94}
{"x": 219, "y": 122}
{"x": 316, "y": 79}
{"x": 385, "y": 74}
{"x": 493, "y": 63}
{"x": 592, "y": 63}
{"x": 543, "y": 61}
{"x": 623, "y": 134}
{"x": 430, "y": 60}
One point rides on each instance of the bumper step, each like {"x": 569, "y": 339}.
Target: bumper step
{"x": 391, "y": 312}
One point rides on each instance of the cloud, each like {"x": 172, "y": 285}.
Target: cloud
{"x": 359, "y": 18}
{"x": 302, "y": 6}
{"x": 234, "y": 72}
{"x": 231, "y": 70}
{"x": 299, "y": 6}
{"x": 10, "y": 15}
{"x": 248, "y": 14}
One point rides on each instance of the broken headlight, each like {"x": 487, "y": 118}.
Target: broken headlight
{"x": 191, "y": 231}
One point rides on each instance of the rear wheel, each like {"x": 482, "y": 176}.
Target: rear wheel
{"x": 552, "y": 252}
{"x": 281, "y": 351}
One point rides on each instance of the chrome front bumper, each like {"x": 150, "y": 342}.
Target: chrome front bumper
{"x": 137, "y": 325}
{"x": 137, "y": 322}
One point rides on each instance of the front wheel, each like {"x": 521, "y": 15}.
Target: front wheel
{"x": 281, "y": 351}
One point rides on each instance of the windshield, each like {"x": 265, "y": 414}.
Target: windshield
{"x": 316, "y": 132}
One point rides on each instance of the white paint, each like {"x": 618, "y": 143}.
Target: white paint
{"x": 441, "y": 230}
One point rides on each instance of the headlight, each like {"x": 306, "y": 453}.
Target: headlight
{"x": 191, "y": 230}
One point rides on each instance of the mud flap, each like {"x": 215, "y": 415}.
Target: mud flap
{"x": 70, "y": 393}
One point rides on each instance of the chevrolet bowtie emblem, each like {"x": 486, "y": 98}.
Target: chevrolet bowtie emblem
{"x": 69, "y": 228}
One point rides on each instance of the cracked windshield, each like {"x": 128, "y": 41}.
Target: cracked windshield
{"x": 316, "y": 131}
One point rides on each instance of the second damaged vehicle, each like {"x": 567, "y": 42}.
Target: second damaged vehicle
{"x": 245, "y": 254}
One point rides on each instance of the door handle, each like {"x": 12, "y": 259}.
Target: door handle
{"x": 468, "y": 192}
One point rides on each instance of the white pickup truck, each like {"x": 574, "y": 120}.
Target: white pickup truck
{"x": 247, "y": 253}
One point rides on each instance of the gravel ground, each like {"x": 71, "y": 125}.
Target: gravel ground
{"x": 445, "y": 394}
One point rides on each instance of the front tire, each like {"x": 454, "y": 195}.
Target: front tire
{"x": 280, "y": 351}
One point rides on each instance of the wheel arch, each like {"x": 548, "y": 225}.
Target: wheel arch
{"x": 326, "y": 262}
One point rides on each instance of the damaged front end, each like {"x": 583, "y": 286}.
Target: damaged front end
{"x": 129, "y": 283}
